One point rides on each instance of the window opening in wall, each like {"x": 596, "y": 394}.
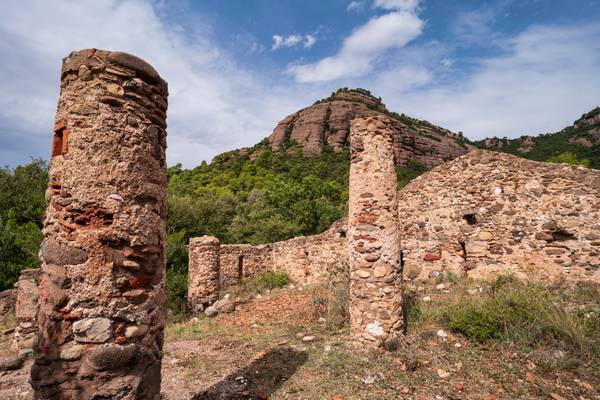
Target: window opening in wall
{"x": 470, "y": 218}
{"x": 60, "y": 142}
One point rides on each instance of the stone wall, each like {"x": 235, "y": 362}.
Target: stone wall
{"x": 26, "y": 311}
{"x": 102, "y": 303}
{"x": 487, "y": 213}
{"x": 373, "y": 232}
{"x": 305, "y": 259}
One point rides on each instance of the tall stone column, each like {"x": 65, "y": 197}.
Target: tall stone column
{"x": 373, "y": 233}
{"x": 203, "y": 272}
{"x": 102, "y": 302}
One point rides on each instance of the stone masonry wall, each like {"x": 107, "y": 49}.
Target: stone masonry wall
{"x": 373, "y": 233}
{"x": 102, "y": 301}
{"x": 26, "y": 311}
{"x": 203, "y": 272}
{"x": 486, "y": 214}
{"x": 305, "y": 259}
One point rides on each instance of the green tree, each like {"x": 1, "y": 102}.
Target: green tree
{"x": 569, "y": 158}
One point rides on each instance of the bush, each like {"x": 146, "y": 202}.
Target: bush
{"x": 523, "y": 313}
{"x": 268, "y": 280}
{"x": 569, "y": 158}
{"x": 176, "y": 291}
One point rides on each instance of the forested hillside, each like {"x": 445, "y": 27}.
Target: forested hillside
{"x": 581, "y": 140}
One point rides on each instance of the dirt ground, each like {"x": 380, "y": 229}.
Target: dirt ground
{"x": 275, "y": 347}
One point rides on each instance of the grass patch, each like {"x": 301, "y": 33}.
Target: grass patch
{"x": 269, "y": 280}
{"x": 525, "y": 314}
{"x": 331, "y": 299}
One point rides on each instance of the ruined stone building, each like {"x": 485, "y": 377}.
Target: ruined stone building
{"x": 481, "y": 215}
{"x": 101, "y": 294}
{"x": 486, "y": 214}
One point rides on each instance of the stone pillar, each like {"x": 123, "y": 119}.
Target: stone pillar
{"x": 102, "y": 301}
{"x": 373, "y": 233}
{"x": 26, "y": 311}
{"x": 203, "y": 272}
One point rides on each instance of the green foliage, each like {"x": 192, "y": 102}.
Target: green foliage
{"x": 22, "y": 206}
{"x": 410, "y": 172}
{"x": 548, "y": 146}
{"x": 268, "y": 280}
{"x": 176, "y": 290}
{"x": 273, "y": 197}
{"x": 522, "y": 313}
{"x": 569, "y": 158}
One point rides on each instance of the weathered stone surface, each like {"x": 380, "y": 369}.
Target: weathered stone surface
{"x": 532, "y": 220}
{"x": 375, "y": 315}
{"x": 11, "y": 363}
{"x": 53, "y": 252}
{"x": 305, "y": 259}
{"x": 328, "y": 123}
{"x": 8, "y": 298}
{"x": 103, "y": 262}
{"x": 26, "y": 310}
{"x": 71, "y": 353}
{"x": 112, "y": 357}
{"x": 93, "y": 330}
{"x": 203, "y": 271}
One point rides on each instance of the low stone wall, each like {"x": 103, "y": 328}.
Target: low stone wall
{"x": 8, "y": 298}
{"x": 486, "y": 214}
{"x": 305, "y": 259}
{"x": 26, "y": 311}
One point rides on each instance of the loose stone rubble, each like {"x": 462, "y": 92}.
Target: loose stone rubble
{"x": 487, "y": 214}
{"x": 203, "y": 272}
{"x": 373, "y": 233}
{"x": 26, "y": 311}
{"x": 102, "y": 301}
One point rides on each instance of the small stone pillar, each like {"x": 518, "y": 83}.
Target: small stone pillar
{"x": 26, "y": 311}
{"x": 373, "y": 233}
{"x": 102, "y": 300}
{"x": 203, "y": 272}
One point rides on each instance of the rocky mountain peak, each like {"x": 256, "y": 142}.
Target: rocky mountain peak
{"x": 327, "y": 123}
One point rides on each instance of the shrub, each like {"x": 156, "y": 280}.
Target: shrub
{"x": 523, "y": 313}
{"x": 176, "y": 291}
{"x": 269, "y": 280}
{"x": 569, "y": 158}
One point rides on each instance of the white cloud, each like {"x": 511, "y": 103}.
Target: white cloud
{"x": 475, "y": 27}
{"x": 309, "y": 41}
{"x": 360, "y": 50}
{"x": 214, "y": 104}
{"x": 405, "y": 5}
{"x": 546, "y": 78}
{"x": 292, "y": 41}
{"x": 356, "y": 5}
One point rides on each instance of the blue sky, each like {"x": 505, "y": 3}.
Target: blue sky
{"x": 237, "y": 67}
